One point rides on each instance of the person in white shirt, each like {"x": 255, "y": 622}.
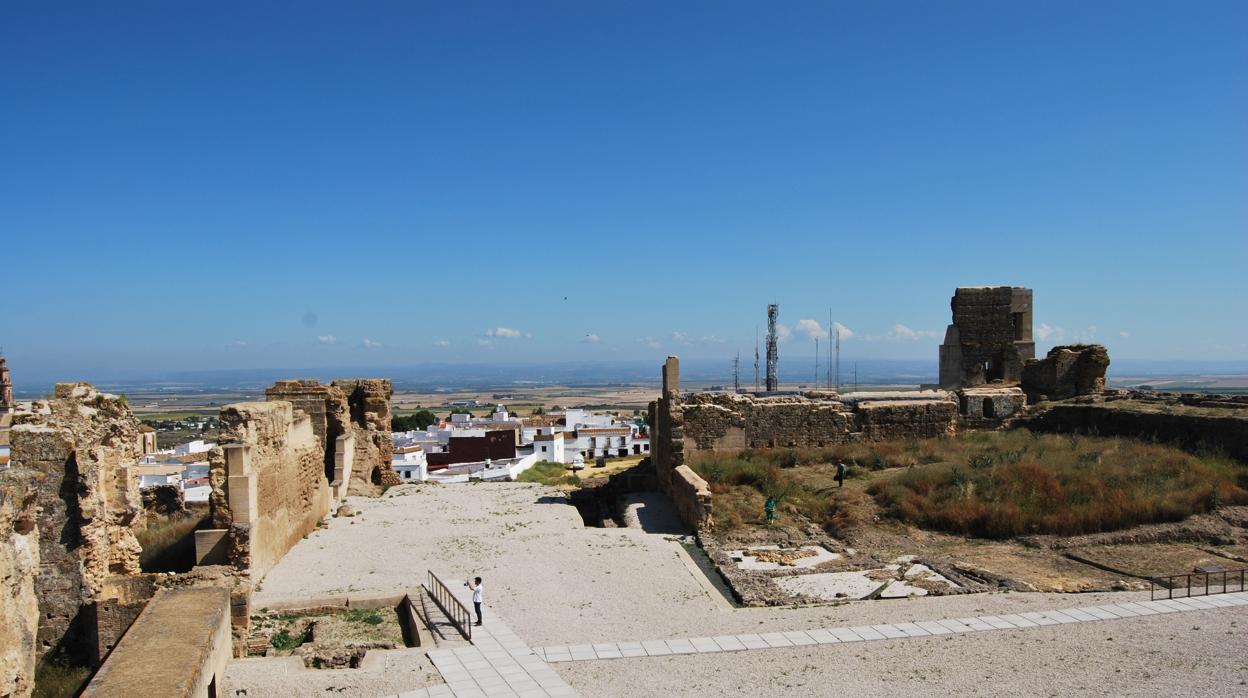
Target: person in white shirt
{"x": 477, "y": 596}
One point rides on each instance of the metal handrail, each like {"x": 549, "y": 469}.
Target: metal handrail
{"x": 1170, "y": 583}
{"x": 454, "y": 609}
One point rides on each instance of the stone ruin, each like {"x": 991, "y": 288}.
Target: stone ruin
{"x": 355, "y": 408}
{"x": 1066, "y": 372}
{"x": 70, "y": 507}
{"x": 732, "y": 422}
{"x": 990, "y": 338}
{"x": 988, "y": 358}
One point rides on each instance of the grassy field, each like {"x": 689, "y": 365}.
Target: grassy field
{"x": 985, "y": 484}
{"x": 552, "y": 474}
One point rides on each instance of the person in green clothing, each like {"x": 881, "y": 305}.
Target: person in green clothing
{"x": 840, "y": 474}
{"x": 770, "y": 509}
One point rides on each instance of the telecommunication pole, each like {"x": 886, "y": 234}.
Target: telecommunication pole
{"x": 773, "y": 349}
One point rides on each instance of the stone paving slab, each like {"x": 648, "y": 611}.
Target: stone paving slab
{"x": 897, "y": 631}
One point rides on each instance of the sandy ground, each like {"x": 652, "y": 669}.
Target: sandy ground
{"x": 1195, "y": 654}
{"x": 556, "y": 582}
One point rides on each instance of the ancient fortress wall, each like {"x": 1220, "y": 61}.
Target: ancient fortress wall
{"x": 702, "y": 422}
{"x": 19, "y": 562}
{"x": 1192, "y": 426}
{"x": 148, "y": 663}
{"x": 80, "y": 447}
{"x": 358, "y": 409}
{"x": 272, "y": 466}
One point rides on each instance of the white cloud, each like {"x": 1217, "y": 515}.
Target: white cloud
{"x": 326, "y": 339}
{"x": 712, "y": 339}
{"x": 1086, "y": 335}
{"x": 369, "y": 344}
{"x": 846, "y": 333}
{"x": 442, "y": 343}
{"x": 902, "y": 332}
{"x": 782, "y": 332}
{"x": 810, "y": 329}
{"x": 1045, "y": 331}
{"x": 681, "y": 338}
{"x": 504, "y": 332}
{"x": 483, "y": 342}
{"x": 651, "y": 342}
{"x": 1124, "y": 334}
{"x": 239, "y": 344}
{"x": 591, "y": 339}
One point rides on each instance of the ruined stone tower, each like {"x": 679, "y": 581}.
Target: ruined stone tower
{"x": 990, "y": 337}
{"x": 6, "y": 387}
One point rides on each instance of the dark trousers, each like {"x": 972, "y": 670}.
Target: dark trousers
{"x": 477, "y": 605}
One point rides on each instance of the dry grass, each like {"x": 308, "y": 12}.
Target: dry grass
{"x": 1019, "y": 483}
{"x": 169, "y": 542}
{"x": 986, "y": 484}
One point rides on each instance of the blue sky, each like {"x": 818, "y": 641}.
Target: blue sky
{"x": 203, "y": 185}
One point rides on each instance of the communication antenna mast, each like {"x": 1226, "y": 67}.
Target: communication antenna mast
{"x": 736, "y": 374}
{"x": 838, "y": 358}
{"x": 855, "y": 376}
{"x": 756, "y": 385}
{"x": 773, "y": 352}
{"x": 816, "y": 362}
{"x": 828, "y": 378}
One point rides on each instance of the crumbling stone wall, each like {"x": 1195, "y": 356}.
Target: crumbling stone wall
{"x": 274, "y": 489}
{"x": 916, "y": 419}
{"x": 1187, "y": 423}
{"x": 369, "y": 402}
{"x": 719, "y": 421}
{"x": 19, "y": 563}
{"x": 81, "y": 447}
{"x": 692, "y": 498}
{"x": 990, "y": 338}
{"x": 667, "y": 421}
{"x": 990, "y": 407}
{"x": 357, "y": 407}
{"x": 1067, "y": 371}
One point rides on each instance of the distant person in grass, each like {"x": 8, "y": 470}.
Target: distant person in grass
{"x": 840, "y": 474}
{"x": 477, "y": 595}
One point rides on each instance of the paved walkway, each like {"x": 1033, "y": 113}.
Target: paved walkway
{"x": 886, "y": 631}
{"x": 498, "y": 663}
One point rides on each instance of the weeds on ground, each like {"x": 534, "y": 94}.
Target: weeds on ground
{"x": 549, "y": 473}
{"x": 1023, "y": 484}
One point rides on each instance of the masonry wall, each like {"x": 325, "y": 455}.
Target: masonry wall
{"x": 1189, "y": 429}
{"x": 1067, "y": 371}
{"x": 692, "y": 498}
{"x": 990, "y": 337}
{"x": 369, "y": 403}
{"x": 19, "y": 563}
{"x": 81, "y": 447}
{"x": 359, "y": 408}
{"x": 275, "y": 487}
{"x": 179, "y": 647}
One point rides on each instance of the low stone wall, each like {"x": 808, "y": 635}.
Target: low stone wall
{"x": 917, "y": 419}
{"x": 692, "y": 498}
{"x": 1190, "y": 428}
{"x": 178, "y": 647}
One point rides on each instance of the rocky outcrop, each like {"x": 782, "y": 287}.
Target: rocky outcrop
{"x": 1066, "y": 372}
{"x": 19, "y": 563}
